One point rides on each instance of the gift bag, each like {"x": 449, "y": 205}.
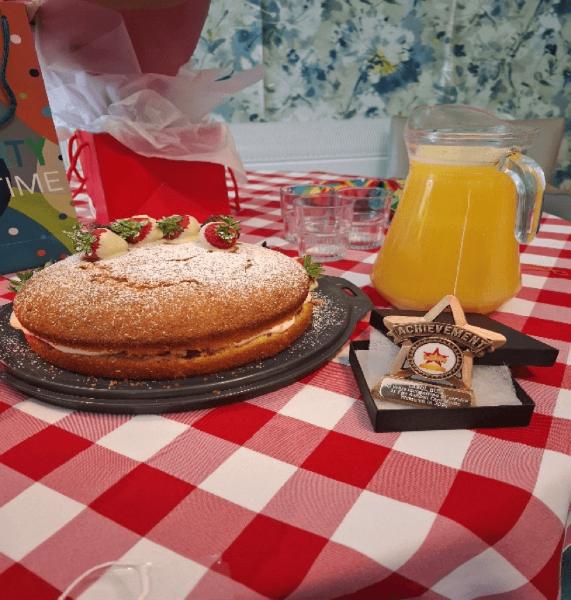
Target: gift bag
{"x": 122, "y": 183}
{"x": 140, "y": 128}
{"x": 35, "y": 201}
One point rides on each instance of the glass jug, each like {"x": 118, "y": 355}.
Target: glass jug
{"x": 469, "y": 188}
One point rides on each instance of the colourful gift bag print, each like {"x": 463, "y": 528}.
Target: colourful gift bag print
{"x": 35, "y": 202}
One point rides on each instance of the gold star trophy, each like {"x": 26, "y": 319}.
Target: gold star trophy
{"x": 434, "y": 364}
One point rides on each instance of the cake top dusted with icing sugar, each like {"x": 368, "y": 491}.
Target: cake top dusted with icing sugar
{"x": 161, "y": 293}
{"x": 165, "y": 264}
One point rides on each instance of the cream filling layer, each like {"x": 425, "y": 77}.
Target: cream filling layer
{"x": 15, "y": 323}
{"x": 279, "y": 328}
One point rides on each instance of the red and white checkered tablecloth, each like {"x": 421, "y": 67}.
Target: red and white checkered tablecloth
{"x": 291, "y": 494}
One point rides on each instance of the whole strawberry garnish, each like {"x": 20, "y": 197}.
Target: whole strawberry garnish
{"x": 173, "y": 226}
{"x": 84, "y": 238}
{"x": 97, "y": 243}
{"x": 176, "y": 227}
{"x": 220, "y": 231}
{"x": 132, "y": 230}
{"x": 135, "y": 230}
{"x": 221, "y": 234}
{"x": 215, "y": 236}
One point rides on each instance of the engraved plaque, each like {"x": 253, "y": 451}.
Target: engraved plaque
{"x": 417, "y": 392}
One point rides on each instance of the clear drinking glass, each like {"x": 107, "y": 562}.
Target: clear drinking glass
{"x": 287, "y": 195}
{"x": 371, "y": 210}
{"x": 322, "y": 224}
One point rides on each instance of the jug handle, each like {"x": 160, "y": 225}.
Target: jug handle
{"x": 529, "y": 182}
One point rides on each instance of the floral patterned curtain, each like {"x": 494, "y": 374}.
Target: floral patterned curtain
{"x": 343, "y": 58}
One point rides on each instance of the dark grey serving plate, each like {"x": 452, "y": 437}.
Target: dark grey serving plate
{"x": 343, "y": 305}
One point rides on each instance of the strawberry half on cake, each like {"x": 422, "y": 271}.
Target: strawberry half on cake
{"x": 165, "y": 310}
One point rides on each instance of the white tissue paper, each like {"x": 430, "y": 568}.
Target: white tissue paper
{"x": 97, "y": 86}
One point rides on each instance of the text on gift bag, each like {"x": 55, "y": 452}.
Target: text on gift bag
{"x": 36, "y": 206}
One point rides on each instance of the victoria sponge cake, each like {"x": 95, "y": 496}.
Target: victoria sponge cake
{"x": 165, "y": 310}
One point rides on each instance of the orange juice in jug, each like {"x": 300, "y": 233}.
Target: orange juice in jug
{"x": 470, "y": 196}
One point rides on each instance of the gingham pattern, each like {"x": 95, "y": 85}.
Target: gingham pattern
{"x": 291, "y": 494}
